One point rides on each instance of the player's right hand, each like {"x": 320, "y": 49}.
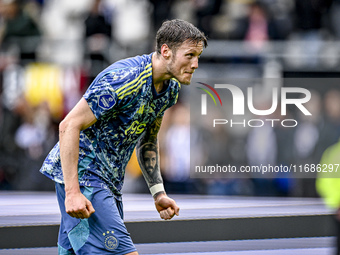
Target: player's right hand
{"x": 78, "y": 206}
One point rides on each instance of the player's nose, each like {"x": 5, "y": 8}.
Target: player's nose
{"x": 194, "y": 63}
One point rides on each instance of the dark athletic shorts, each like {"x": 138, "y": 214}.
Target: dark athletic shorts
{"x": 103, "y": 233}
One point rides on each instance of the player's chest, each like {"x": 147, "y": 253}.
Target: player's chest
{"x": 137, "y": 118}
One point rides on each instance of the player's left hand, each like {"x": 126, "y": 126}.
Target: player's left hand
{"x": 166, "y": 207}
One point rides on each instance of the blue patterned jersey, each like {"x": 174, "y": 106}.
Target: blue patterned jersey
{"x": 125, "y": 102}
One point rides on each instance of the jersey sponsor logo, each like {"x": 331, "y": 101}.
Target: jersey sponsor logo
{"x": 110, "y": 241}
{"x": 106, "y": 101}
{"x": 135, "y": 128}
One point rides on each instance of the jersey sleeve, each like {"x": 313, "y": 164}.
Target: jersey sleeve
{"x": 101, "y": 96}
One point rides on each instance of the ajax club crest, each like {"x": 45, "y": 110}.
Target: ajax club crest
{"x": 110, "y": 241}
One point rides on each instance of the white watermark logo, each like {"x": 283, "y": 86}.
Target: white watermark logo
{"x": 278, "y": 96}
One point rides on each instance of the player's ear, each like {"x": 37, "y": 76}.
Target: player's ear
{"x": 166, "y": 51}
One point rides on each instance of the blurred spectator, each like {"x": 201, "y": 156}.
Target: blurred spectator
{"x": 131, "y": 26}
{"x": 97, "y": 23}
{"x": 309, "y": 15}
{"x": 161, "y": 12}
{"x": 307, "y": 133}
{"x": 26, "y": 134}
{"x": 205, "y": 11}
{"x": 308, "y": 145}
{"x": 328, "y": 185}
{"x": 62, "y": 22}
{"x": 177, "y": 153}
{"x": 331, "y": 126}
{"x": 262, "y": 150}
{"x": 10, "y": 120}
{"x": 10, "y": 153}
{"x": 335, "y": 18}
{"x": 29, "y": 136}
{"x": 19, "y": 31}
{"x": 258, "y": 27}
{"x": 261, "y": 145}
{"x": 35, "y": 136}
{"x": 309, "y": 25}
{"x": 98, "y": 36}
{"x": 285, "y": 142}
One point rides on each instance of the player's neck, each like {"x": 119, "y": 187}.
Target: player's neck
{"x": 159, "y": 72}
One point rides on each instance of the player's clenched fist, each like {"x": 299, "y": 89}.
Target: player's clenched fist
{"x": 167, "y": 214}
{"x": 166, "y": 207}
{"x": 78, "y": 206}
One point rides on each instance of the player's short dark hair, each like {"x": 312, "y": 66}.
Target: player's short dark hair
{"x": 175, "y": 32}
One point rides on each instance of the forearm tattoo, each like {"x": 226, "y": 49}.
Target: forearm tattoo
{"x": 148, "y": 154}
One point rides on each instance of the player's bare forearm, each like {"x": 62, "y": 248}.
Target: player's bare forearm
{"x": 76, "y": 204}
{"x": 69, "y": 147}
{"x": 148, "y": 155}
{"x": 81, "y": 117}
{"x": 78, "y": 119}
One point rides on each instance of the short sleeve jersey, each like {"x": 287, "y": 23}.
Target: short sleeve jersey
{"x": 125, "y": 102}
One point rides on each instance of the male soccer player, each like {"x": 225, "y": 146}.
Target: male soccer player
{"x": 122, "y": 109}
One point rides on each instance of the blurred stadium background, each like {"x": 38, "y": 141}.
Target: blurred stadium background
{"x": 50, "y": 50}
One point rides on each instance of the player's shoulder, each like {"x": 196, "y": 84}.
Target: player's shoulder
{"x": 133, "y": 62}
{"x": 126, "y": 70}
{"x": 129, "y": 66}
